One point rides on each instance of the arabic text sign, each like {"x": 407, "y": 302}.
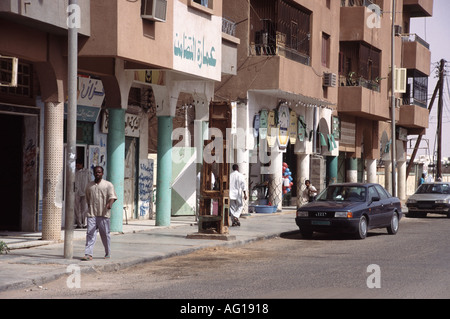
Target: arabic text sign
{"x": 90, "y": 92}
{"x": 197, "y": 47}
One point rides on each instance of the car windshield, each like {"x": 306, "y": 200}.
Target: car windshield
{"x": 343, "y": 193}
{"x": 434, "y": 189}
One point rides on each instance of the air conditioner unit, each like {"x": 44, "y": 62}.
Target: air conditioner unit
{"x": 329, "y": 79}
{"x": 155, "y": 10}
{"x": 400, "y": 80}
{"x": 9, "y": 78}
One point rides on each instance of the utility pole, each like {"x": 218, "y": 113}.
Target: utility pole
{"x": 439, "y": 126}
{"x": 73, "y": 23}
{"x": 393, "y": 128}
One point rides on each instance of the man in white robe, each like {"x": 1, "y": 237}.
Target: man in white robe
{"x": 237, "y": 188}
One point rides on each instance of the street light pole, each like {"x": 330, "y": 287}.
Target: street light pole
{"x": 393, "y": 128}
{"x": 71, "y": 154}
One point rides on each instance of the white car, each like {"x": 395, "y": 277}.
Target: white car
{"x": 430, "y": 198}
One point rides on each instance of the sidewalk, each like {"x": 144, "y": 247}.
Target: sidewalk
{"x": 34, "y": 262}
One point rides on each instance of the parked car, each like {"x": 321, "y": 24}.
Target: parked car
{"x": 430, "y": 198}
{"x": 350, "y": 208}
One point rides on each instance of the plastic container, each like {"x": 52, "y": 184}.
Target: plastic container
{"x": 265, "y": 209}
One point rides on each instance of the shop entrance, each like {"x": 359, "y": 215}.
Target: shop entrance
{"x": 11, "y": 128}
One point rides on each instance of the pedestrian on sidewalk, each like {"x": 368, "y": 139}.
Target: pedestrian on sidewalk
{"x": 237, "y": 188}
{"x": 82, "y": 179}
{"x": 100, "y": 196}
{"x": 310, "y": 191}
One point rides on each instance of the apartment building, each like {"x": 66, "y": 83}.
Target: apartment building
{"x": 328, "y": 63}
{"x": 145, "y": 69}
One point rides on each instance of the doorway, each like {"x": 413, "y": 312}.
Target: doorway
{"x": 130, "y": 196}
{"x": 11, "y": 129}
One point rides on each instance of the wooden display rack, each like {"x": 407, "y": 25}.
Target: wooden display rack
{"x": 209, "y": 225}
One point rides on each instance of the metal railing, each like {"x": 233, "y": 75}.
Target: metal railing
{"x": 412, "y": 37}
{"x": 279, "y": 50}
{"x": 228, "y": 26}
{"x": 359, "y": 81}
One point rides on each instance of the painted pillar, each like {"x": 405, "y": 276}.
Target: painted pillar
{"x": 276, "y": 179}
{"x": 332, "y": 169}
{"x": 371, "y": 170}
{"x": 164, "y": 171}
{"x": 303, "y": 165}
{"x": 401, "y": 168}
{"x": 116, "y": 163}
{"x": 53, "y": 171}
{"x": 352, "y": 170}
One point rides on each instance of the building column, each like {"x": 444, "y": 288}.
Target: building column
{"x": 371, "y": 170}
{"x": 332, "y": 169}
{"x": 276, "y": 179}
{"x": 352, "y": 170}
{"x": 302, "y": 176}
{"x": 116, "y": 163}
{"x": 164, "y": 171}
{"x": 401, "y": 169}
{"x": 53, "y": 171}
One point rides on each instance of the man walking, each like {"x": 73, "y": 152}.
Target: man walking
{"x": 100, "y": 196}
{"x": 237, "y": 187}
{"x": 82, "y": 178}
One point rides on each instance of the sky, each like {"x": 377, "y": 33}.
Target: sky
{"x": 435, "y": 30}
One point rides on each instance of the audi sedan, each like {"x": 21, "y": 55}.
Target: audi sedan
{"x": 430, "y": 198}
{"x": 350, "y": 208}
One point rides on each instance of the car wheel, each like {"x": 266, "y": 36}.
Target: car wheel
{"x": 393, "y": 227}
{"x": 306, "y": 233}
{"x": 362, "y": 228}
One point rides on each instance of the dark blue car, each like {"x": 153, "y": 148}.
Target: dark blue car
{"x": 350, "y": 208}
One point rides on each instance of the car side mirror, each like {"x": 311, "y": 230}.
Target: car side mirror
{"x": 375, "y": 199}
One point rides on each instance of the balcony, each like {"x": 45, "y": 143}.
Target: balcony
{"x": 418, "y": 8}
{"x": 413, "y": 117}
{"x": 363, "y": 99}
{"x": 354, "y": 26}
{"x": 280, "y": 28}
{"x": 416, "y": 53}
{"x": 49, "y": 16}
{"x": 229, "y": 47}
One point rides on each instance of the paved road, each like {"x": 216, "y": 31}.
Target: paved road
{"x": 412, "y": 264}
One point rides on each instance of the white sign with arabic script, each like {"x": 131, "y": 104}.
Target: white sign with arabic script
{"x": 197, "y": 47}
{"x": 90, "y": 92}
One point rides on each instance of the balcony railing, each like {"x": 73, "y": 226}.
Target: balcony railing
{"x": 228, "y": 26}
{"x": 359, "y": 81}
{"x": 358, "y": 3}
{"x": 413, "y": 101}
{"x": 412, "y": 37}
{"x": 280, "y": 50}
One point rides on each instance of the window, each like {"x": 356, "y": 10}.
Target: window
{"x": 382, "y": 192}
{"x": 24, "y": 79}
{"x": 205, "y": 3}
{"x": 325, "y": 50}
{"x": 280, "y": 26}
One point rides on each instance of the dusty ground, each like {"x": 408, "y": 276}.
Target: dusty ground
{"x": 108, "y": 284}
